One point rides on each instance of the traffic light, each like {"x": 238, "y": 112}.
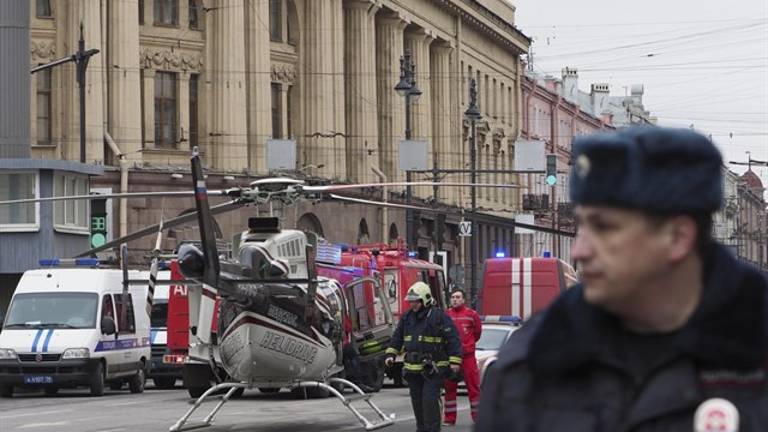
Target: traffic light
{"x": 551, "y": 169}
{"x": 98, "y": 222}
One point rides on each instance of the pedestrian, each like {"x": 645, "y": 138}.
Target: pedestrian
{"x": 668, "y": 331}
{"x": 469, "y": 327}
{"x": 432, "y": 349}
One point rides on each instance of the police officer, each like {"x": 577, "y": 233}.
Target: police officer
{"x": 431, "y": 345}
{"x": 667, "y": 331}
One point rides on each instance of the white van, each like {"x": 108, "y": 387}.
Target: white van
{"x": 70, "y": 327}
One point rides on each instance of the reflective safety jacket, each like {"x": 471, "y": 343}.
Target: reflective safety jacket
{"x": 428, "y": 333}
{"x": 468, "y": 324}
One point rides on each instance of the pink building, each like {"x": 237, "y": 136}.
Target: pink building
{"x": 555, "y": 111}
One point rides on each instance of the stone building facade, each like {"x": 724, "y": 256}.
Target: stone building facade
{"x": 225, "y": 76}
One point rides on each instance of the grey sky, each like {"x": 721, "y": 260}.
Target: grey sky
{"x": 708, "y": 65}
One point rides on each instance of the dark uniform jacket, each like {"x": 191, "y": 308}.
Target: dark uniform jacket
{"x": 568, "y": 370}
{"x": 426, "y": 332}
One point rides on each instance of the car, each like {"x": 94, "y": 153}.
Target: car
{"x": 496, "y": 332}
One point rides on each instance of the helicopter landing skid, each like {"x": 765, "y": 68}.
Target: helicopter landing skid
{"x": 383, "y": 419}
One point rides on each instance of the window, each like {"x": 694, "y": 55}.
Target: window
{"x": 70, "y": 215}
{"x": 44, "y": 107}
{"x": 43, "y": 9}
{"x": 15, "y": 186}
{"x": 126, "y": 321}
{"x": 275, "y": 20}
{"x": 194, "y": 14}
{"x": 165, "y": 110}
{"x": 277, "y": 118}
{"x": 159, "y": 318}
{"x": 166, "y": 12}
{"x": 107, "y": 307}
{"x": 71, "y": 310}
{"x": 193, "y": 115}
{"x": 141, "y": 12}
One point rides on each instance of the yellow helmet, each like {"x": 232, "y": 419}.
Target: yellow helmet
{"x": 420, "y": 291}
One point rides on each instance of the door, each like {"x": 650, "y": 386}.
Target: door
{"x": 126, "y": 349}
{"x": 108, "y": 343}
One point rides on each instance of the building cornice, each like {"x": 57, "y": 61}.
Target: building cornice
{"x": 500, "y": 30}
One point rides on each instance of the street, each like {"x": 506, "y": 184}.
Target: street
{"x": 157, "y": 410}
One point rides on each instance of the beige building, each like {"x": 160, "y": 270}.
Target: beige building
{"x": 227, "y": 75}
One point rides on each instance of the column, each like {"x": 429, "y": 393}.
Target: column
{"x": 229, "y": 143}
{"x": 324, "y": 141}
{"x": 441, "y": 109}
{"x": 391, "y": 121}
{"x": 360, "y": 95}
{"x": 258, "y": 79}
{"x": 149, "y": 108}
{"x": 183, "y": 93}
{"x": 72, "y": 13}
{"x": 417, "y": 41}
{"x": 284, "y": 109}
{"x": 124, "y": 78}
{"x": 15, "y": 80}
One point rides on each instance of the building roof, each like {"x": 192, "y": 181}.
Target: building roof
{"x": 753, "y": 181}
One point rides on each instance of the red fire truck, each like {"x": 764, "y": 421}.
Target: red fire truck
{"x": 522, "y": 286}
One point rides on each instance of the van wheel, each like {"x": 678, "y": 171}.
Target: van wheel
{"x": 136, "y": 383}
{"x": 97, "y": 380}
{"x": 51, "y": 391}
{"x": 6, "y": 391}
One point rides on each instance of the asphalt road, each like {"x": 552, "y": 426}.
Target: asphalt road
{"x": 157, "y": 410}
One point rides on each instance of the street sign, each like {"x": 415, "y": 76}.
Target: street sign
{"x": 465, "y": 229}
{"x": 281, "y": 154}
{"x": 413, "y": 155}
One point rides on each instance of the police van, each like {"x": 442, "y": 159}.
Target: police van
{"x": 71, "y": 327}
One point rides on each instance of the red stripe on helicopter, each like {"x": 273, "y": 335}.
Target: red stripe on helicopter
{"x": 211, "y": 294}
{"x": 248, "y": 319}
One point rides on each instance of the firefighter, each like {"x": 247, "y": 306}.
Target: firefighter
{"x": 432, "y": 349}
{"x": 469, "y": 327}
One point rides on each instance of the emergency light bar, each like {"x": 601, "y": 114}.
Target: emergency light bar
{"x": 413, "y": 254}
{"x": 506, "y": 319}
{"x": 69, "y": 262}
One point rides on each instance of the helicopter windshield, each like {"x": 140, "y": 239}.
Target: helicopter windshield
{"x": 262, "y": 267}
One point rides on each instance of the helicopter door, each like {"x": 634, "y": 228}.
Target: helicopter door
{"x": 372, "y": 331}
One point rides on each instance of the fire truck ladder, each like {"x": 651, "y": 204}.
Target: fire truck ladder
{"x": 369, "y": 425}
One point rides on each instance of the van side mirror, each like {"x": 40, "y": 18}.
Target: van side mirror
{"x": 108, "y": 326}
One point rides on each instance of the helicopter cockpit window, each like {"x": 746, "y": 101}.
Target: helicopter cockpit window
{"x": 260, "y": 265}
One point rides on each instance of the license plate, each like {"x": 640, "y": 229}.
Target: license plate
{"x": 38, "y": 379}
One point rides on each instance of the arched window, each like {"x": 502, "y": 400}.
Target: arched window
{"x": 393, "y": 234}
{"x": 310, "y": 222}
{"x": 363, "y": 236}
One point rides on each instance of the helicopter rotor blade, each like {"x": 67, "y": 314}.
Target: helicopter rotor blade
{"x": 168, "y": 224}
{"x": 205, "y": 222}
{"x": 335, "y": 188}
{"x": 165, "y": 194}
{"x": 384, "y": 204}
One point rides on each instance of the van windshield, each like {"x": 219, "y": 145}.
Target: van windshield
{"x": 53, "y": 310}
{"x": 159, "y": 317}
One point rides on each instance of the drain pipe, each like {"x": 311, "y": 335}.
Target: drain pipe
{"x": 384, "y": 210}
{"x": 123, "y": 183}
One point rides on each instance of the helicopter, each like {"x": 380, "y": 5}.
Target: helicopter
{"x": 279, "y": 322}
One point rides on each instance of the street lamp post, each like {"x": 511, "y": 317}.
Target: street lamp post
{"x": 408, "y": 89}
{"x": 473, "y": 115}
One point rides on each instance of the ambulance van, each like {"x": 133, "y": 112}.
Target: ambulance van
{"x": 73, "y": 327}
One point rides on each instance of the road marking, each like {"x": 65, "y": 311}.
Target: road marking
{"x": 124, "y": 403}
{"x": 38, "y": 413}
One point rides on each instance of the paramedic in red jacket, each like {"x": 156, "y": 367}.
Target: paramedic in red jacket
{"x": 468, "y": 325}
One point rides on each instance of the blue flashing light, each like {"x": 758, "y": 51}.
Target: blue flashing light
{"x": 500, "y": 254}
{"x": 512, "y": 319}
{"x": 163, "y": 265}
{"x": 91, "y": 262}
{"x": 547, "y": 254}
{"x": 50, "y": 262}
{"x": 412, "y": 254}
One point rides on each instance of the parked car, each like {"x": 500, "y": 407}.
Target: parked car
{"x": 496, "y": 332}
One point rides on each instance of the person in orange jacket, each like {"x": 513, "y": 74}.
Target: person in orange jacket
{"x": 469, "y": 327}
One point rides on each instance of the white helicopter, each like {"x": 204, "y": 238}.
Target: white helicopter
{"x": 280, "y": 324}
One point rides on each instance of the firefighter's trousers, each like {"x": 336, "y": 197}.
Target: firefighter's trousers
{"x": 472, "y": 380}
{"x": 425, "y": 398}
